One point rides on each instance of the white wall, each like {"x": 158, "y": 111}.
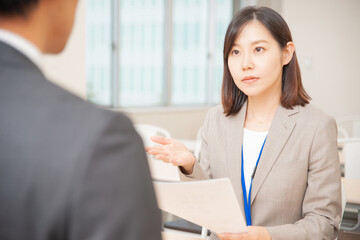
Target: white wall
{"x": 326, "y": 35}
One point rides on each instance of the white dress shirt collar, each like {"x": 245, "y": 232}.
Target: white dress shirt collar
{"x": 22, "y": 45}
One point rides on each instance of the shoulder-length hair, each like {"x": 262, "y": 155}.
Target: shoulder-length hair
{"x": 293, "y": 92}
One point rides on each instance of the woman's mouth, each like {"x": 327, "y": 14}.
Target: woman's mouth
{"x": 249, "y": 79}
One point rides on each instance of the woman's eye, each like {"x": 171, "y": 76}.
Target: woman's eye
{"x": 259, "y": 49}
{"x": 235, "y": 52}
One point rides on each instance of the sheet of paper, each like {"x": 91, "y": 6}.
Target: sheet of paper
{"x": 210, "y": 203}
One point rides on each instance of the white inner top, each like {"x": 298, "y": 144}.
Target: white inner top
{"x": 22, "y": 45}
{"x": 252, "y": 144}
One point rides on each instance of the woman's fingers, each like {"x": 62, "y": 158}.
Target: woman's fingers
{"x": 232, "y": 236}
{"x": 167, "y": 159}
{"x": 163, "y": 158}
{"x": 158, "y": 152}
{"x": 171, "y": 151}
{"x": 160, "y": 140}
{"x": 157, "y": 148}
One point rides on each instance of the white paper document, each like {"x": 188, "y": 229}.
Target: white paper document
{"x": 209, "y": 203}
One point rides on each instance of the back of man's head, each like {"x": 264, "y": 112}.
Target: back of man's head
{"x": 45, "y": 23}
{"x": 16, "y": 7}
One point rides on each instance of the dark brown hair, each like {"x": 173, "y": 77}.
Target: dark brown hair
{"x": 16, "y": 7}
{"x": 293, "y": 92}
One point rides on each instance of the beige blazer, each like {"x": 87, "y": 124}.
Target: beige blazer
{"x": 296, "y": 191}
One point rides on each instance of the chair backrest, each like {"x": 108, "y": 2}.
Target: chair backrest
{"x": 148, "y": 130}
{"x": 349, "y": 126}
{"x": 351, "y": 153}
{"x": 159, "y": 170}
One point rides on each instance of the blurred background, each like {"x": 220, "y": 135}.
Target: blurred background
{"x": 160, "y": 61}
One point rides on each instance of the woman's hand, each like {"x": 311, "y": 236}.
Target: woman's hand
{"x": 172, "y": 151}
{"x": 254, "y": 233}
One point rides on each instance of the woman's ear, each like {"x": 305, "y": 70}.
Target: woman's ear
{"x": 288, "y": 52}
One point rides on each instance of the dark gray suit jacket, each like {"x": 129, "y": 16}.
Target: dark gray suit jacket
{"x": 68, "y": 170}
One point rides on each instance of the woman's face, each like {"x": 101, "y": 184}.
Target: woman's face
{"x": 256, "y": 61}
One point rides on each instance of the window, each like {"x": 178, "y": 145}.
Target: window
{"x": 98, "y": 51}
{"x": 155, "y": 52}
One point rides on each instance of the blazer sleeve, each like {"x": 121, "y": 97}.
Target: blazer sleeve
{"x": 322, "y": 201}
{"x": 201, "y": 169}
{"x": 113, "y": 195}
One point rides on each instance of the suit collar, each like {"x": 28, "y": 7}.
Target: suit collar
{"x": 279, "y": 132}
{"x": 12, "y": 57}
{"x": 22, "y": 45}
{"x": 235, "y": 132}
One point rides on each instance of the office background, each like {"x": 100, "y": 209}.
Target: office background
{"x": 169, "y": 56}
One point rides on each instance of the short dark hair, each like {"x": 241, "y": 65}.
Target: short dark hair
{"x": 293, "y": 92}
{"x": 16, "y": 7}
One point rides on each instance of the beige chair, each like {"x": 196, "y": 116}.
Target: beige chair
{"x": 349, "y": 127}
{"x": 148, "y": 130}
{"x": 348, "y": 131}
{"x": 351, "y": 216}
{"x": 351, "y": 182}
{"x": 159, "y": 170}
{"x": 351, "y": 155}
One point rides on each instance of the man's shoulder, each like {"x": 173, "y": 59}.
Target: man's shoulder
{"x": 41, "y": 104}
{"x": 85, "y": 112}
{"x": 33, "y": 95}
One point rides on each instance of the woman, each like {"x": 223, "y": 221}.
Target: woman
{"x": 266, "y": 138}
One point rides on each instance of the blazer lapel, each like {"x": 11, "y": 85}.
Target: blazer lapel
{"x": 234, "y": 138}
{"x": 280, "y": 130}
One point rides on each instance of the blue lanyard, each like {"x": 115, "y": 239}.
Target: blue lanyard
{"x": 247, "y": 200}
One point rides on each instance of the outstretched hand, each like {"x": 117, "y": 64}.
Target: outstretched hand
{"x": 172, "y": 151}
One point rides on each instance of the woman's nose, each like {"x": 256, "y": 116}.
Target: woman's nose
{"x": 247, "y": 63}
